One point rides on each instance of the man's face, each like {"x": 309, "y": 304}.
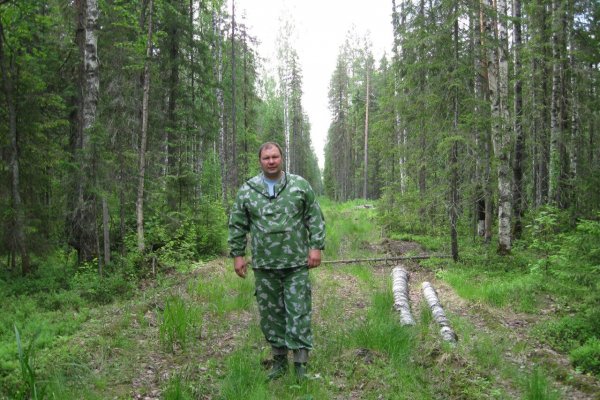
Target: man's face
{"x": 270, "y": 162}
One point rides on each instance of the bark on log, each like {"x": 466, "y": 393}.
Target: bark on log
{"x": 386, "y": 259}
{"x": 438, "y": 313}
{"x": 401, "y": 300}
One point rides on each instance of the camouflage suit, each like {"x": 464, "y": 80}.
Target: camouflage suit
{"x": 283, "y": 228}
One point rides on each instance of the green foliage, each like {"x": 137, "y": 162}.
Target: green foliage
{"x": 224, "y": 296}
{"x": 244, "y": 378}
{"x": 198, "y": 233}
{"x": 348, "y": 232}
{"x": 587, "y": 357}
{"x": 101, "y": 289}
{"x": 411, "y": 213}
{"x": 32, "y": 388}
{"x": 572, "y": 331}
{"x": 538, "y": 388}
{"x": 180, "y": 323}
{"x": 381, "y": 330}
{"x": 496, "y": 288}
{"x": 177, "y": 390}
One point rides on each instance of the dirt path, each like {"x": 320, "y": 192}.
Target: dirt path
{"x": 157, "y": 367}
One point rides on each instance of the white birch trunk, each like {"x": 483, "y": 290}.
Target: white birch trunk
{"x": 91, "y": 70}
{"x": 401, "y": 299}
{"x": 498, "y": 89}
{"x": 438, "y": 313}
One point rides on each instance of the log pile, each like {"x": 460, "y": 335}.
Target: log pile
{"x": 402, "y": 303}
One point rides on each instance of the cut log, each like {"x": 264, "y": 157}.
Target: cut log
{"x": 438, "y": 313}
{"x": 401, "y": 300}
{"x": 385, "y": 259}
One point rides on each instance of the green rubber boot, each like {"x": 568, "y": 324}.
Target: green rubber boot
{"x": 300, "y": 369}
{"x": 279, "y": 368}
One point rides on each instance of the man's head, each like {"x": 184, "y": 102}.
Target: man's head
{"x": 270, "y": 157}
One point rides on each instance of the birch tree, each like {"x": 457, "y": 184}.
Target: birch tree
{"x": 83, "y": 219}
{"x": 498, "y": 88}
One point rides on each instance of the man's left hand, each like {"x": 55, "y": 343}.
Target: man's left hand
{"x": 314, "y": 258}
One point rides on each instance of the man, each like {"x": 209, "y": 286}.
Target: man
{"x": 287, "y": 231}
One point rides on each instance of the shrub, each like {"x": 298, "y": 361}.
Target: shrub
{"x": 100, "y": 289}
{"x": 587, "y": 357}
{"x": 568, "y": 332}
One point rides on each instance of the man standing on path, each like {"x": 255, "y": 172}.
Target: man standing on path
{"x": 287, "y": 230}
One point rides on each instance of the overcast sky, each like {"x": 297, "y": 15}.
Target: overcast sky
{"x": 321, "y": 27}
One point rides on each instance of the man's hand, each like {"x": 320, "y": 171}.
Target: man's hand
{"x": 314, "y": 258}
{"x": 240, "y": 266}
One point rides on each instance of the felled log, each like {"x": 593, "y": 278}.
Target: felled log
{"x": 401, "y": 300}
{"x": 385, "y": 259}
{"x": 438, "y": 313}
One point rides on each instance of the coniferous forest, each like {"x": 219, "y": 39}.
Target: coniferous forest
{"x": 126, "y": 128}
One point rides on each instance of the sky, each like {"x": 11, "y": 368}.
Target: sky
{"x": 321, "y": 28}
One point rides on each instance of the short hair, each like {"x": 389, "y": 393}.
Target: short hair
{"x": 267, "y": 145}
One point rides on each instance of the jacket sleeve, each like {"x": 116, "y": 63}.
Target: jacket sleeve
{"x": 239, "y": 226}
{"x": 314, "y": 220}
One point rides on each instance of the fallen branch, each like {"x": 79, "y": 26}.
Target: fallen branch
{"x": 386, "y": 259}
{"x": 401, "y": 300}
{"x": 438, "y": 313}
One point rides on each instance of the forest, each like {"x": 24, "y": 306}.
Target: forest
{"x": 127, "y": 127}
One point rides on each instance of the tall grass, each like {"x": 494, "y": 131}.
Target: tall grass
{"x": 179, "y": 324}
{"x": 226, "y": 295}
{"x": 244, "y": 377}
{"x": 381, "y": 330}
{"x": 537, "y": 387}
{"x": 32, "y": 388}
{"x": 350, "y": 228}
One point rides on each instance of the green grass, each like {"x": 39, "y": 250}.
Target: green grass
{"x": 498, "y": 289}
{"x": 198, "y": 329}
{"x": 179, "y": 324}
{"x": 226, "y": 295}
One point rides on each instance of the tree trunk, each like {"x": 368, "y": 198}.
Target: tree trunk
{"x": 18, "y": 244}
{"x": 498, "y": 88}
{"x": 83, "y": 224}
{"x": 218, "y": 71}
{"x": 454, "y": 161}
{"x": 555, "y": 170}
{"x": 139, "y": 204}
{"x": 173, "y": 139}
{"x": 233, "y": 166}
{"x": 575, "y": 130}
{"x": 106, "y": 230}
{"x": 438, "y": 313}
{"x": 518, "y": 126}
{"x": 366, "y": 147}
{"x": 401, "y": 298}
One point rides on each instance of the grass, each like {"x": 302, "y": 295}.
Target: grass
{"x": 194, "y": 334}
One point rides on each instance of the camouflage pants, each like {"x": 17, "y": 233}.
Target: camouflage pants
{"x": 284, "y": 304}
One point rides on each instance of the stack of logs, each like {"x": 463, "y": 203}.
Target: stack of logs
{"x": 402, "y": 304}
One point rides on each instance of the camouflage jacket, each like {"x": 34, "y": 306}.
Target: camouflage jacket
{"x": 282, "y": 227}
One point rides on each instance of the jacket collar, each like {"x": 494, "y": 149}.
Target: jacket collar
{"x": 257, "y": 183}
